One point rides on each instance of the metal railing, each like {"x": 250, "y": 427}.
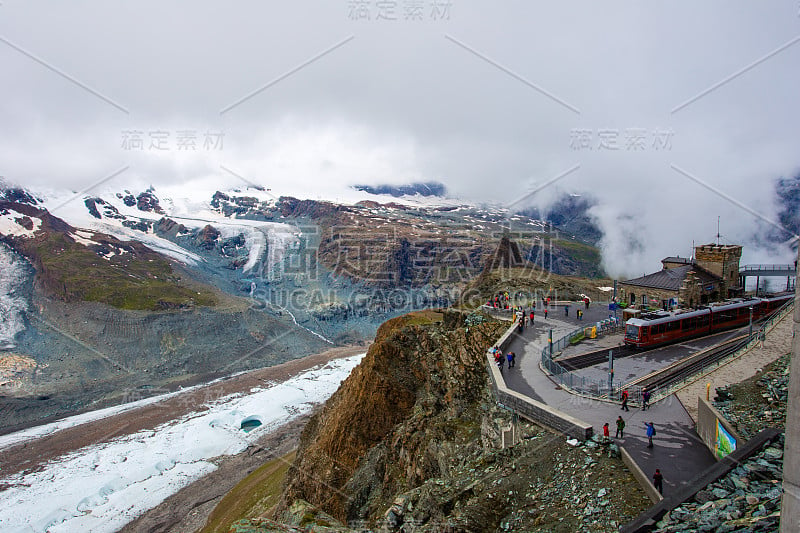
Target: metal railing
{"x": 741, "y": 347}
{"x": 599, "y": 388}
{"x": 758, "y": 268}
{"x": 568, "y": 379}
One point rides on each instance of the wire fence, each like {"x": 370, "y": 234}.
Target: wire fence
{"x": 566, "y": 378}
{"x": 758, "y": 335}
{"x": 609, "y": 390}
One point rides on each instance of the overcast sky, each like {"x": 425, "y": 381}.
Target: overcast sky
{"x": 670, "y": 114}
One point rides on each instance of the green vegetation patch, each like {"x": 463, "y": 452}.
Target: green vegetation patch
{"x": 254, "y": 496}
{"x": 137, "y": 279}
{"x": 580, "y": 251}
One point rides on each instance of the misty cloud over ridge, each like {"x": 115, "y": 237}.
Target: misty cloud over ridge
{"x": 674, "y": 115}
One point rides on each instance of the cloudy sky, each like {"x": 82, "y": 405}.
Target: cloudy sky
{"x": 671, "y": 115}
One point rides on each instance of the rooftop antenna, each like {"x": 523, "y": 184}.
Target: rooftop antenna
{"x": 691, "y": 255}
{"x": 717, "y": 230}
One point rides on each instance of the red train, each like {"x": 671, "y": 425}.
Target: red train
{"x": 665, "y": 327}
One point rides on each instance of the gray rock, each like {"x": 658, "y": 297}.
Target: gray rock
{"x": 773, "y": 453}
{"x": 719, "y": 493}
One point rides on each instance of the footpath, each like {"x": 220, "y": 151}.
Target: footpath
{"x": 678, "y": 452}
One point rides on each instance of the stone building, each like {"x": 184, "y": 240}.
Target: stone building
{"x": 711, "y": 275}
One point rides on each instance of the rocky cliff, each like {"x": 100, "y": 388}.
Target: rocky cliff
{"x": 369, "y": 443}
{"x": 412, "y": 442}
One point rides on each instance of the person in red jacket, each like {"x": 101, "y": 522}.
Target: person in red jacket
{"x": 658, "y": 481}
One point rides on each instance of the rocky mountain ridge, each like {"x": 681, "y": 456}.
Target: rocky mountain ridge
{"x": 411, "y": 441}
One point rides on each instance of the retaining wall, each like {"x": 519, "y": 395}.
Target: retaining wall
{"x": 531, "y": 409}
{"x": 647, "y": 520}
{"x": 707, "y": 418}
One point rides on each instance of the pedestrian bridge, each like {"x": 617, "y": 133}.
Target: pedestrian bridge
{"x": 766, "y": 271}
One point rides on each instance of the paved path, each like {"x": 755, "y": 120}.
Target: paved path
{"x": 677, "y": 450}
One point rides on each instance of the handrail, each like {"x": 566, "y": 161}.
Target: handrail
{"x": 757, "y": 268}
{"x": 743, "y": 345}
{"x": 599, "y": 389}
{"x": 589, "y": 387}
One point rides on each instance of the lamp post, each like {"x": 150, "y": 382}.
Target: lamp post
{"x": 610, "y": 372}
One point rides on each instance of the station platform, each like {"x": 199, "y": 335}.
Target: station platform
{"x": 635, "y": 366}
{"x": 678, "y": 452}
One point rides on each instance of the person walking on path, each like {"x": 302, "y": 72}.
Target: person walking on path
{"x": 510, "y": 357}
{"x": 531, "y": 317}
{"x": 645, "y": 399}
{"x": 545, "y": 313}
{"x": 658, "y": 481}
{"x": 625, "y": 401}
{"x": 620, "y": 428}
{"x": 606, "y": 436}
{"x": 651, "y": 432}
{"x": 566, "y": 310}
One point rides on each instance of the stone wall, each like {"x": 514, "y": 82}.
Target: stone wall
{"x": 721, "y": 260}
{"x": 529, "y": 408}
{"x": 626, "y": 290}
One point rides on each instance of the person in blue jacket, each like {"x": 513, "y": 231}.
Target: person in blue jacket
{"x": 651, "y": 432}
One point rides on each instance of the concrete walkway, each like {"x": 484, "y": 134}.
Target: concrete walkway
{"x": 677, "y": 450}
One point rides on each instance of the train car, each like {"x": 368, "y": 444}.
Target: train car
{"x": 733, "y": 314}
{"x": 773, "y": 303}
{"x": 663, "y": 327}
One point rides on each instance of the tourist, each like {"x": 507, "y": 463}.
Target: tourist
{"x": 545, "y": 313}
{"x": 606, "y": 436}
{"x": 510, "y": 357}
{"x": 658, "y": 481}
{"x": 645, "y": 399}
{"x": 625, "y": 401}
{"x": 651, "y": 432}
{"x": 620, "y": 428}
{"x": 532, "y": 316}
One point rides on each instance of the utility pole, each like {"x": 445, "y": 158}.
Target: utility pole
{"x": 790, "y": 504}
{"x": 750, "y": 331}
{"x": 610, "y": 372}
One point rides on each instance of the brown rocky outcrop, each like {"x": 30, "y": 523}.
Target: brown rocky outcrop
{"x": 382, "y": 430}
{"x": 207, "y": 238}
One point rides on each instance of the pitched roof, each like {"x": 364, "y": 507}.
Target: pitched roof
{"x": 671, "y": 279}
{"x": 679, "y": 260}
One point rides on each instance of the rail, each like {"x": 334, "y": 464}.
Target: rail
{"x": 715, "y": 360}
{"x": 589, "y": 387}
{"x": 527, "y": 407}
{"x": 758, "y": 268}
{"x": 599, "y": 388}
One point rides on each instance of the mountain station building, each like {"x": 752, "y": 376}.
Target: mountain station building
{"x": 711, "y": 275}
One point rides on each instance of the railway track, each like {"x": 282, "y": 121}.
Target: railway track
{"x": 585, "y": 360}
{"x": 689, "y": 366}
